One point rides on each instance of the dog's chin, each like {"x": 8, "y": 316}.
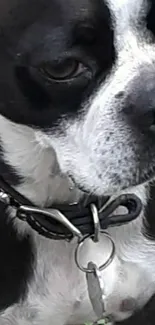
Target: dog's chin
{"x": 110, "y": 187}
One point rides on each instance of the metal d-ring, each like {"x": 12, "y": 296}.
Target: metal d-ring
{"x": 101, "y": 267}
{"x": 97, "y": 228}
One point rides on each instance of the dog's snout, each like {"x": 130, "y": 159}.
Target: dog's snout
{"x": 139, "y": 104}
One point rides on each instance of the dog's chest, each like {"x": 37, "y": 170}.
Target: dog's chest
{"x": 58, "y": 290}
{"x": 59, "y": 286}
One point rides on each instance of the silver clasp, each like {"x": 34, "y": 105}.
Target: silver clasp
{"x": 97, "y": 228}
{"x": 52, "y": 213}
{"x": 4, "y": 198}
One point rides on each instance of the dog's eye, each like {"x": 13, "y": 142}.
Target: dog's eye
{"x": 63, "y": 71}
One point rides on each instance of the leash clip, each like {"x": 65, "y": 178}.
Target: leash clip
{"x": 28, "y": 211}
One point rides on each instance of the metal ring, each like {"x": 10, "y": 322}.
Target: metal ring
{"x": 97, "y": 228}
{"x": 101, "y": 267}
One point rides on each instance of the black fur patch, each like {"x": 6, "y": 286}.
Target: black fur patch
{"x": 16, "y": 262}
{"x": 151, "y": 17}
{"x": 52, "y": 35}
{"x": 149, "y": 221}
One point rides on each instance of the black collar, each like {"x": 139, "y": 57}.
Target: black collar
{"x": 64, "y": 221}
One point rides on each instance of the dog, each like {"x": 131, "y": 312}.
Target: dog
{"x": 77, "y": 105}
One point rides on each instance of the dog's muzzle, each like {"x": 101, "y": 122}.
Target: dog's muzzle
{"x": 66, "y": 221}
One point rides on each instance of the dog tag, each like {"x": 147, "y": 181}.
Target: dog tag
{"x": 95, "y": 289}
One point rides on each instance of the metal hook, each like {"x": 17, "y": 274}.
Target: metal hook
{"x": 105, "y": 264}
{"x": 51, "y": 213}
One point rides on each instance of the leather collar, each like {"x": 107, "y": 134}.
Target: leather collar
{"x": 66, "y": 221}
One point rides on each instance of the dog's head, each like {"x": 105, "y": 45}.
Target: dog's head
{"x": 81, "y": 74}
{"x": 77, "y": 97}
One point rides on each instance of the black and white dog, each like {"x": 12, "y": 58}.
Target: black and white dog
{"x": 77, "y": 107}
